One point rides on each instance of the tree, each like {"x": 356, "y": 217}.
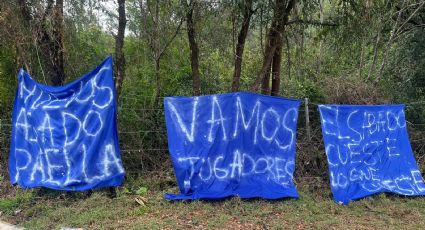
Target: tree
{"x": 45, "y": 22}
{"x": 404, "y": 22}
{"x": 12, "y": 37}
{"x": 119, "y": 44}
{"x": 247, "y": 12}
{"x": 194, "y": 50}
{"x": 282, "y": 9}
{"x": 157, "y": 28}
{"x": 277, "y": 59}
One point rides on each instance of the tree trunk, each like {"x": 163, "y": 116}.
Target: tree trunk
{"x": 241, "y": 45}
{"x": 58, "y": 72}
{"x": 361, "y": 58}
{"x": 157, "y": 51}
{"x": 288, "y": 55}
{"x": 157, "y": 78}
{"x": 25, "y": 11}
{"x": 156, "y": 38}
{"x": 194, "y": 51}
{"x": 49, "y": 40}
{"x": 261, "y": 30}
{"x": 265, "y": 69}
{"x": 280, "y": 18}
{"x": 300, "y": 55}
{"x": 375, "y": 55}
{"x": 51, "y": 43}
{"x": 234, "y": 24}
{"x": 319, "y": 66}
{"x": 119, "y": 44}
{"x": 277, "y": 59}
{"x": 265, "y": 83}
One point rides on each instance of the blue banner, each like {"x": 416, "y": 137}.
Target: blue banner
{"x": 369, "y": 152}
{"x": 66, "y": 137}
{"x": 237, "y": 144}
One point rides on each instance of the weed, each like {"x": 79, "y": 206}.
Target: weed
{"x": 10, "y": 204}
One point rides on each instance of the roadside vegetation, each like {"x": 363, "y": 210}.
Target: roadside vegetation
{"x": 342, "y": 52}
{"x": 315, "y": 209}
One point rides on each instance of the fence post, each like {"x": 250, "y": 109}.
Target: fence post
{"x": 307, "y": 119}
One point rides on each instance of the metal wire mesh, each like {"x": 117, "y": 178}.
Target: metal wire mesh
{"x": 143, "y": 139}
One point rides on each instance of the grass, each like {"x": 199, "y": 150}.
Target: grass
{"x": 43, "y": 209}
{"x": 12, "y": 204}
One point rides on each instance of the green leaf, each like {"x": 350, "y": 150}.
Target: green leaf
{"x": 142, "y": 191}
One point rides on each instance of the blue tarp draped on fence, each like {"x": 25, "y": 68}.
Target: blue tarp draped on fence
{"x": 368, "y": 151}
{"x": 237, "y": 144}
{"x": 65, "y": 137}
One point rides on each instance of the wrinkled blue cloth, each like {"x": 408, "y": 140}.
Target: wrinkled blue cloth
{"x": 65, "y": 137}
{"x": 369, "y": 152}
{"x": 237, "y": 144}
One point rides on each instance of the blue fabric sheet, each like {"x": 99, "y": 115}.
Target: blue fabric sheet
{"x": 237, "y": 144}
{"x": 369, "y": 152}
{"x": 66, "y": 137}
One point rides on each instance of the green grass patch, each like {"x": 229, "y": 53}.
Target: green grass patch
{"x": 313, "y": 210}
{"x": 11, "y": 204}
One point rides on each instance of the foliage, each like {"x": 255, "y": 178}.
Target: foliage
{"x": 406, "y": 73}
{"x": 142, "y": 191}
{"x": 7, "y": 81}
{"x": 85, "y": 49}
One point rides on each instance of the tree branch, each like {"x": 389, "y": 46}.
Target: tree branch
{"x": 310, "y": 22}
{"x": 410, "y": 17}
{"x": 171, "y": 39}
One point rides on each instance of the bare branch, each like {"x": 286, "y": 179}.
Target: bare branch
{"x": 310, "y": 22}
{"x": 410, "y": 17}
{"x": 172, "y": 38}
